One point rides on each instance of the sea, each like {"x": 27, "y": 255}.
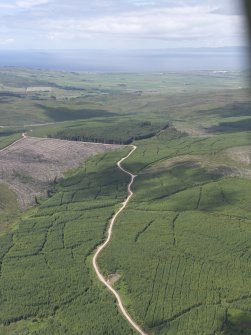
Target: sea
{"x": 231, "y": 59}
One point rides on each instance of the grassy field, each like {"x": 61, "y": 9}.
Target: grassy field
{"x": 7, "y": 139}
{"x": 206, "y": 97}
{"x": 182, "y": 247}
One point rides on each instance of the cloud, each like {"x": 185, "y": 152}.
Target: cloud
{"x": 142, "y": 3}
{"x": 181, "y": 23}
{"x": 6, "y": 6}
{"x": 123, "y": 23}
{"x": 30, "y": 3}
{"x": 26, "y": 4}
{"x": 6, "y": 41}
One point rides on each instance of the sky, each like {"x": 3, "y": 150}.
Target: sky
{"x": 120, "y": 24}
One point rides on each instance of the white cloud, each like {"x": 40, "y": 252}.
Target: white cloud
{"x": 177, "y": 23}
{"x": 6, "y": 6}
{"x": 123, "y": 23}
{"x": 6, "y": 41}
{"x": 26, "y": 4}
{"x": 30, "y": 3}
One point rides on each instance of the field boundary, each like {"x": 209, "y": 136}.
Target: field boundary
{"x": 13, "y": 143}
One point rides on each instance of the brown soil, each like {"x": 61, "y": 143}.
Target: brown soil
{"x": 30, "y": 165}
{"x": 113, "y": 278}
{"x": 242, "y": 155}
{"x": 198, "y": 131}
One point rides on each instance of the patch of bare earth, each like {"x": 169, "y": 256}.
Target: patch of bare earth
{"x": 113, "y": 278}
{"x": 241, "y": 155}
{"x": 32, "y": 164}
{"x": 193, "y": 131}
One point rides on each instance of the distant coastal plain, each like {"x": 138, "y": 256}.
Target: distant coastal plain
{"x": 187, "y": 59}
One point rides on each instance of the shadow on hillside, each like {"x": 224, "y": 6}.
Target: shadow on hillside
{"x": 238, "y": 324}
{"x": 231, "y": 127}
{"x": 231, "y": 110}
{"x": 66, "y": 114}
{"x": 189, "y": 187}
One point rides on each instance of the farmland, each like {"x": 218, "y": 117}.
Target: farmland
{"x": 180, "y": 252}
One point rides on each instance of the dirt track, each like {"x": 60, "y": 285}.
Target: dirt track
{"x": 30, "y": 164}
{"x": 107, "y": 283}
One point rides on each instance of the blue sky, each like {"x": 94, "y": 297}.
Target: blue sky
{"x": 120, "y": 24}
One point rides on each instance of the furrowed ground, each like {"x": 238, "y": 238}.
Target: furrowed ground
{"x": 32, "y": 166}
{"x": 180, "y": 253}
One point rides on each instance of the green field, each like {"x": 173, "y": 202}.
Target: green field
{"x": 181, "y": 248}
{"x": 8, "y": 138}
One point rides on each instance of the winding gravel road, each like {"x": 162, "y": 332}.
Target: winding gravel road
{"x": 106, "y": 242}
{"x": 100, "y": 248}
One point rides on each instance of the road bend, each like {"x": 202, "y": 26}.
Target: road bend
{"x": 100, "y": 248}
